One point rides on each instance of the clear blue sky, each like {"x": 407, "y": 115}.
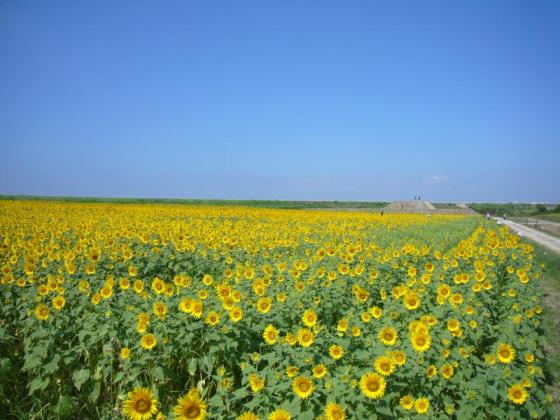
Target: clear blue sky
{"x": 347, "y": 100}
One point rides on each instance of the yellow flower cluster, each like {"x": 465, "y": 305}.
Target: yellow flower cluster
{"x": 189, "y": 311}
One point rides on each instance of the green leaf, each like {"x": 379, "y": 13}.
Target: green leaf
{"x": 158, "y": 373}
{"x": 64, "y": 405}
{"x": 306, "y": 415}
{"x": 94, "y": 395}
{"x": 80, "y": 377}
{"x": 32, "y": 361}
{"x": 294, "y": 407}
{"x": 362, "y": 355}
{"x": 192, "y": 366}
{"x": 5, "y": 366}
{"x": 37, "y": 384}
{"x": 239, "y": 393}
{"x": 118, "y": 377}
{"x": 52, "y": 366}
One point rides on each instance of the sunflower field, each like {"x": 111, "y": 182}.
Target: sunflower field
{"x": 190, "y": 312}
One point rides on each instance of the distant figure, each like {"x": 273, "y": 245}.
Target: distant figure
{"x": 504, "y": 217}
{"x": 382, "y": 213}
{"x": 402, "y": 206}
{"x": 487, "y": 216}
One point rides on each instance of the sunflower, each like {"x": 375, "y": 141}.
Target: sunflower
{"x": 372, "y": 385}
{"x": 407, "y": 402}
{"x": 212, "y": 318}
{"x": 248, "y": 415}
{"x": 420, "y": 342}
{"x": 291, "y": 339}
{"x": 305, "y": 337}
{"x": 384, "y": 365}
{"x": 95, "y": 299}
{"x": 453, "y": 325}
{"x": 292, "y": 371}
{"x": 42, "y": 312}
{"x": 517, "y": 394}
{"x": 333, "y": 411}
{"x": 529, "y": 357}
{"x": 280, "y": 414}
{"x": 264, "y": 304}
{"x": 256, "y": 382}
{"x": 506, "y": 353}
{"x": 207, "y": 279}
{"x": 411, "y": 301}
{"x": 124, "y": 283}
{"x": 190, "y": 406}
{"x": 58, "y": 302}
{"x": 342, "y": 325}
{"x": 319, "y": 371}
{"x": 158, "y": 285}
{"x": 399, "y": 357}
{"x": 302, "y": 386}
{"x": 235, "y": 314}
{"x": 140, "y": 405}
{"x": 90, "y": 269}
{"x": 444, "y": 291}
{"x": 388, "y": 336}
{"x": 125, "y": 353}
{"x": 309, "y": 318}
{"x": 106, "y": 292}
{"x": 148, "y": 341}
{"x": 431, "y": 371}
{"x": 160, "y": 310}
{"x": 138, "y": 286}
{"x": 336, "y": 351}
{"x": 422, "y": 405}
{"x": 197, "y": 308}
{"x": 447, "y": 371}
{"x": 270, "y": 334}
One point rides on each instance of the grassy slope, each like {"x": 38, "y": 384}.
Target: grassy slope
{"x": 509, "y": 209}
{"x": 553, "y": 217}
{"x": 551, "y": 309}
{"x": 280, "y": 204}
{"x": 445, "y": 205}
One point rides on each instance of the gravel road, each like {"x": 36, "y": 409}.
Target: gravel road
{"x": 541, "y": 238}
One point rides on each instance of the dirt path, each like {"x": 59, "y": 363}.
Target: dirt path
{"x": 542, "y": 238}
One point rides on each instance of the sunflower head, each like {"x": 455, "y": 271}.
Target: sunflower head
{"x": 190, "y": 406}
{"x": 388, "y": 336}
{"x": 302, "y": 386}
{"x": 372, "y": 385}
{"x": 407, "y": 402}
{"x": 148, "y": 341}
{"x": 309, "y": 318}
{"x": 336, "y": 351}
{"x": 270, "y": 334}
{"x": 384, "y": 365}
{"x": 420, "y": 342}
{"x": 280, "y": 414}
{"x": 422, "y": 405}
{"x": 517, "y": 394}
{"x": 140, "y": 405}
{"x": 505, "y": 353}
{"x": 319, "y": 371}
{"x": 333, "y": 411}
{"x": 42, "y": 312}
{"x": 305, "y": 337}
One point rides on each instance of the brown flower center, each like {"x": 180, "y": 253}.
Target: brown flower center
{"x": 143, "y": 405}
{"x": 373, "y": 385}
{"x": 192, "y": 412}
